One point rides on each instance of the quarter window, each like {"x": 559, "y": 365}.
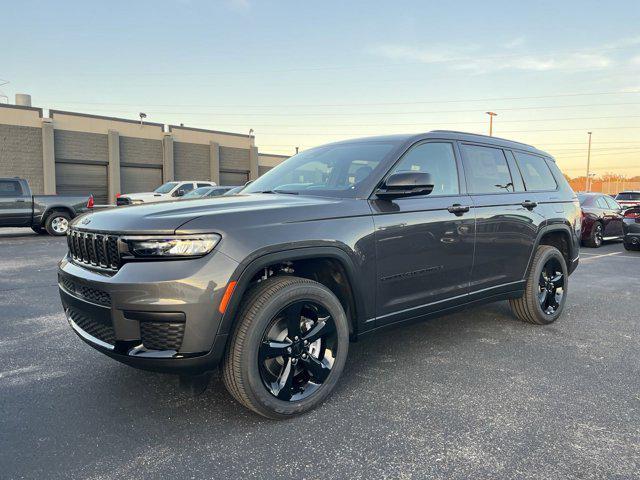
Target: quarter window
{"x": 437, "y": 159}
{"x": 535, "y": 172}
{"x": 486, "y": 170}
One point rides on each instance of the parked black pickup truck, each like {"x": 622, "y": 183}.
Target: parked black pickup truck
{"x": 43, "y": 213}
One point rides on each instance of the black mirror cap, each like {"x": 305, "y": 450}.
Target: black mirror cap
{"x": 406, "y": 184}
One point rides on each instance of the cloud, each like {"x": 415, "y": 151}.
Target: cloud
{"x": 475, "y": 60}
{"x": 515, "y": 42}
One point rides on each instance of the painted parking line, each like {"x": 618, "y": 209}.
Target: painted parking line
{"x": 593, "y": 256}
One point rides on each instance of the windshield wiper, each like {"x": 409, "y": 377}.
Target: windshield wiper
{"x": 287, "y": 192}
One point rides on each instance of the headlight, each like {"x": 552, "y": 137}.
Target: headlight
{"x": 177, "y": 246}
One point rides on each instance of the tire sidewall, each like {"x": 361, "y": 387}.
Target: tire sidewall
{"x": 249, "y": 362}
{"x": 542, "y": 260}
{"x": 50, "y": 218}
{"x": 594, "y": 235}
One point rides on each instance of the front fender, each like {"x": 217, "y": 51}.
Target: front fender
{"x": 272, "y": 255}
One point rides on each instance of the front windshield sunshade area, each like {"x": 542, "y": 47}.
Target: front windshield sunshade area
{"x": 335, "y": 170}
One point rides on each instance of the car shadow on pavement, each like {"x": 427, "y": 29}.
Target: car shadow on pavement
{"x": 371, "y": 361}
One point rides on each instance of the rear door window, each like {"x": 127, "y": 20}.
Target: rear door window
{"x": 612, "y": 203}
{"x": 486, "y": 169}
{"x": 602, "y": 203}
{"x": 204, "y": 185}
{"x": 535, "y": 172}
{"x": 10, "y": 188}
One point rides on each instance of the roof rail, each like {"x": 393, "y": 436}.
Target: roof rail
{"x": 484, "y": 136}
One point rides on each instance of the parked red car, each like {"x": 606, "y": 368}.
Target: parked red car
{"x": 628, "y": 198}
{"x": 602, "y": 219}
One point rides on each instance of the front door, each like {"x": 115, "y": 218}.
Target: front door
{"x": 15, "y": 205}
{"x": 424, "y": 244}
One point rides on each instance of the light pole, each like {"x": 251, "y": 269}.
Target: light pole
{"x": 491, "y": 115}
{"x": 587, "y": 186}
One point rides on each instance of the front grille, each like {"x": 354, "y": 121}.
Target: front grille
{"x": 123, "y": 201}
{"x": 91, "y": 294}
{"x": 161, "y": 336}
{"x": 95, "y": 249}
{"x": 98, "y": 330}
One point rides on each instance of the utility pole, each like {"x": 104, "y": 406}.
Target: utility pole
{"x": 297, "y": 150}
{"x": 491, "y": 115}
{"x": 587, "y": 186}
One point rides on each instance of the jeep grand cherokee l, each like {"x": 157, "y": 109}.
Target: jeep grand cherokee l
{"x": 337, "y": 242}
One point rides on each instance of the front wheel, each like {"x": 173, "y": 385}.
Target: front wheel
{"x": 288, "y": 348}
{"x": 546, "y": 288}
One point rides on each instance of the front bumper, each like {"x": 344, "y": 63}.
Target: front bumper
{"x": 160, "y": 315}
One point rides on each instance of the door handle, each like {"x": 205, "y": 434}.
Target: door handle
{"x": 528, "y": 204}
{"x": 20, "y": 201}
{"x": 458, "y": 209}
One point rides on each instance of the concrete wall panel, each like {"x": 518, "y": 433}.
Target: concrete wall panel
{"x": 71, "y": 145}
{"x": 21, "y": 154}
{"x": 140, "y": 150}
{"x": 191, "y": 161}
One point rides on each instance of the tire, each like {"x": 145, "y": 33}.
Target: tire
{"x": 595, "y": 238}
{"x": 39, "y": 230}
{"x": 630, "y": 248}
{"x": 244, "y": 368}
{"x": 529, "y": 308}
{"x": 57, "y": 223}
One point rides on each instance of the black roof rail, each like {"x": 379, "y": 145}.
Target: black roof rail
{"x": 484, "y": 136}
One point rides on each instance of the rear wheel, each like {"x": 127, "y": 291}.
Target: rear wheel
{"x": 546, "y": 288}
{"x": 595, "y": 239}
{"x": 288, "y": 349}
{"x": 57, "y": 223}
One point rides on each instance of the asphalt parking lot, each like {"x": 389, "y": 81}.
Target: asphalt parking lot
{"x": 477, "y": 394}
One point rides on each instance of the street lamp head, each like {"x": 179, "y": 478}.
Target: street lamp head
{"x": 493, "y": 114}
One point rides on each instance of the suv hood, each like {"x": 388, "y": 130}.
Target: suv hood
{"x": 211, "y": 214}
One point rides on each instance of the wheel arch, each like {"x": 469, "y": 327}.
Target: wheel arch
{"x": 350, "y": 296}
{"x": 556, "y": 235}
{"x": 56, "y": 208}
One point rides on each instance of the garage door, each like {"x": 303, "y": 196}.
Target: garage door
{"x": 233, "y": 178}
{"x": 81, "y": 179}
{"x": 139, "y": 179}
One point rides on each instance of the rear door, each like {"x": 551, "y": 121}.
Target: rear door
{"x": 507, "y": 217}
{"x": 614, "y": 218}
{"x": 15, "y": 204}
{"x": 424, "y": 248}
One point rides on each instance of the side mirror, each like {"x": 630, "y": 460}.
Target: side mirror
{"x": 406, "y": 184}
{"x": 180, "y": 192}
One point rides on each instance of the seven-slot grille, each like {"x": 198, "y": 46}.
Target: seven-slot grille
{"x": 96, "y": 249}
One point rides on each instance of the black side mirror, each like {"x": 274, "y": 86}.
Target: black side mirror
{"x": 180, "y": 192}
{"x": 406, "y": 184}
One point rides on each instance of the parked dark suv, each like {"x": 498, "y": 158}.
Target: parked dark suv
{"x": 335, "y": 243}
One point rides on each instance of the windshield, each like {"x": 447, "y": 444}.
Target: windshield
{"x": 628, "y": 196}
{"x": 198, "y": 192}
{"x": 166, "y": 188}
{"x": 234, "y": 190}
{"x": 335, "y": 170}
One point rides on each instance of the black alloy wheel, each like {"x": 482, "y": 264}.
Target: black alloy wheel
{"x": 551, "y": 283}
{"x": 298, "y": 351}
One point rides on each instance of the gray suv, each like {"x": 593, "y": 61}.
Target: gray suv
{"x": 336, "y": 243}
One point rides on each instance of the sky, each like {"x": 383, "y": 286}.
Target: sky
{"x": 305, "y": 73}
